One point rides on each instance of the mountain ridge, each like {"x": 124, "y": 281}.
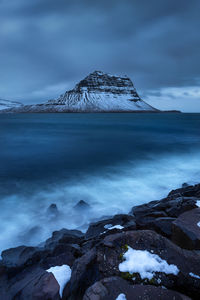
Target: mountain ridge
{"x": 7, "y": 104}
{"x": 97, "y": 92}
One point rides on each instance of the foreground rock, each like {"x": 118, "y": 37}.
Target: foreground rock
{"x": 110, "y": 288}
{"x": 114, "y": 224}
{"x": 103, "y": 261}
{"x": 159, "y": 215}
{"x": 186, "y": 230}
{"x": 151, "y": 253}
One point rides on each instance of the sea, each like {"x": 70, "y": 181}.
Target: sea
{"x": 112, "y": 161}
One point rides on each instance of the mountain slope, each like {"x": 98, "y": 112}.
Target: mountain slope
{"x": 98, "y": 92}
{"x": 7, "y": 104}
{"x": 103, "y": 92}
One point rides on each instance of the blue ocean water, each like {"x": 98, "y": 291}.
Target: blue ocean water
{"x": 112, "y": 161}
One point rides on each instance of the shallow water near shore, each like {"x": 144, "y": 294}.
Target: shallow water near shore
{"x": 112, "y": 161}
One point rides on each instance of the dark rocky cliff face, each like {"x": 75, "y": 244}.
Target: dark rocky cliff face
{"x": 105, "y": 83}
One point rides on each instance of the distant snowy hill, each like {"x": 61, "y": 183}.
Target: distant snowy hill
{"x": 98, "y": 92}
{"x": 7, "y": 104}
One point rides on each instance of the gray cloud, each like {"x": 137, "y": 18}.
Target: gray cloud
{"x": 47, "y": 45}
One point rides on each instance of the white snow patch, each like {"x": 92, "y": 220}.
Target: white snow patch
{"x": 198, "y": 203}
{"x": 110, "y": 227}
{"x": 62, "y": 274}
{"x": 194, "y": 275}
{"x": 145, "y": 263}
{"x": 107, "y": 226}
{"x": 121, "y": 297}
{"x": 198, "y": 224}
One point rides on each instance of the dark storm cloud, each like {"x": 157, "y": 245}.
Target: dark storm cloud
{"x": 48, "y": 45}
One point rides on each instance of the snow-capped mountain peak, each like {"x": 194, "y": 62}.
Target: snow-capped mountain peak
{"x": 103, "y": 92}
{"x": 97, "y": 92}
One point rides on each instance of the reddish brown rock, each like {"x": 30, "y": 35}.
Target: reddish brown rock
{"x": 185, "y": 230}
{"x": 110, "y": 288}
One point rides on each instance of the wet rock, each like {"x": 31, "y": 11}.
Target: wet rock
{"x": 185, "y": 184}
{"x": 62, "y": 248}
{"x": 32, "y": 283}
{"x": 64, "y": 236}
{"x": 125, "y": 222}
{"x": 161, "y": 225}
{"x": 188, "y": 191}
{"x": 44, "y": 287}
{"x": 110, "y": 288}
{"x": 186, "y": 230}
{"x": 104, "y": 259}
{"x": 14, "y": 257}
{"x": 30, "y": 235}
{"x": 52, "y": 210}
{"x": 166, "y": 207}
{"x": 82, "y": 205}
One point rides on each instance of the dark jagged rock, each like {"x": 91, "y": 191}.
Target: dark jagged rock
{"x": 82, "y": 205}
{"x": 127, "y": 222}
{"x": 64, "y": 236}
{"x": 33, "y": 283}
{"x": 110, "y": 288}
{"x": 188, "y": 191}
{"x": 186, "y": 230}
{"x": 62, "y": 248}
{"x": 103, "y": 261}
{"x": 52, "y": 210}
{"x": 95, "y": 256}
{"x": 17, "y": 256}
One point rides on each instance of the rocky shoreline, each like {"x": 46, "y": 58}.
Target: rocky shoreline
{"x": 151, "y": 253}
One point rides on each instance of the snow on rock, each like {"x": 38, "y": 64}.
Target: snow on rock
{"x": 194, "y": 275}
{"x": 121, "y": 297}
{"x": 62, "y": 274}
{"x": 198, "y": 203}
{"x": 145, "y": 263}
{"x": 115, "y": 227}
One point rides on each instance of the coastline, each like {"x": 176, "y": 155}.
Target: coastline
{"x": 167, "y": 229}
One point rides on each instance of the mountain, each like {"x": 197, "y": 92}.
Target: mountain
{"x": 98, "y": 92}
{"x": 7, "y": 104}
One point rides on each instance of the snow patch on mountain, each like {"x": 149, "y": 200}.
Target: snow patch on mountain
{"x": 98, "y": 92}
{"x": 7, "y": 104}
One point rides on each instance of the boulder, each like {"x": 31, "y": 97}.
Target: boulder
{"x": 15, "y": 257}
{"x": 125, "y": 222}
{"x": 110, "y": 288}
{"x": 161, "y": 225}
{"x": 62, "y": 248}
{"x": 82, "y": 205}
{"x": 187, "y": 191}
{"x": 186, "y": 230}
{"x": 44, "y": 287}
{"x": 104, "y": 259}
{"x": 52, "y": 210}
{"x": 33, "y": 283}
{"x": 167, "y": 207}
{"x": 64, "y": 236}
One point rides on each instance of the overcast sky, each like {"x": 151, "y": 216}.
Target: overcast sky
{"x": 46, "y": 46}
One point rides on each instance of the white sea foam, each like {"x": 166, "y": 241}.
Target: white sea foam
{"x": 113, "y": 191}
